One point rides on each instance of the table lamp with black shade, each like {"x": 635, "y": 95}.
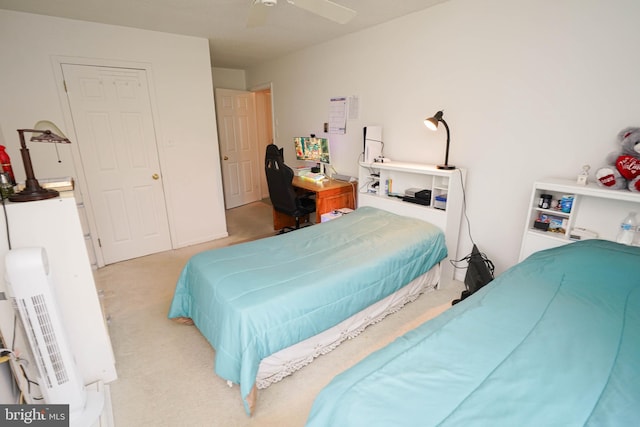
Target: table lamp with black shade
{"x": 44, "y": 131}
{"x": 432, "y": 123}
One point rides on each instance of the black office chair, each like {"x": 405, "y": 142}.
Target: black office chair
{"x": 281, "y": 192}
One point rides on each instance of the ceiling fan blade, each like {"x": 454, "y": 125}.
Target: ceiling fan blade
{"x": 257, "y": 14}
{"x": 327, "y": 9}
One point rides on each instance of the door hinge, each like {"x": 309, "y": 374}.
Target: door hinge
{"x": 99, "y": 242}
{"x": 64, "y": 83}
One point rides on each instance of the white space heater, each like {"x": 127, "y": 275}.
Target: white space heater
{"x": 30, "y": 287}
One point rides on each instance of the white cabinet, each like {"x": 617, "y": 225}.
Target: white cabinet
{"x": 382, "y": 185}
{"x": 54, "y": 224}
{"x": 595, "y": 210}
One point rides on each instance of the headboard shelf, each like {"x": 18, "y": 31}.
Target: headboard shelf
{"x": 382, "y": 185}
{"x": 596, "y": 211}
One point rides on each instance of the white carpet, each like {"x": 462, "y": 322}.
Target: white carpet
{"x": 165, "y": 369}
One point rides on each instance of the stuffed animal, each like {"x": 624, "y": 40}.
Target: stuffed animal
{"x": 623, "y": 170}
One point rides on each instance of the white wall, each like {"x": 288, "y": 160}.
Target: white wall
{"x": 529, "y": 88}
{"x": 228, "y": 78}
{"x": 183, "y": 96}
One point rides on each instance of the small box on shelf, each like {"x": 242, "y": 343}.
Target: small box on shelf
{"x": 440, "y": 202}
{"x": 541, "y": 225}
{"x": 552, "y": 223}
{"x": 417, "y": 200}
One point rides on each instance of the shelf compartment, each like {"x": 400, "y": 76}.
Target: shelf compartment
{"x": 553, "y": 212}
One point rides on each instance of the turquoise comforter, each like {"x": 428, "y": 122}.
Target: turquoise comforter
{"x": 254, "y": 299}
{"x": 554, "y": 341}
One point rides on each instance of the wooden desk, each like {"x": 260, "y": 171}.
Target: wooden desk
{"x": 330, "y": 195}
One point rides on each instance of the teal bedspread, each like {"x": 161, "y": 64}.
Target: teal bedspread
{"x": 254, "y": 299}
{"x": 554, "y": 341}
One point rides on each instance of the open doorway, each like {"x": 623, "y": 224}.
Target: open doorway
{"x": 236, "y": 118}
{"x": 245, "y": 128}
{"x": 264, "y": 125}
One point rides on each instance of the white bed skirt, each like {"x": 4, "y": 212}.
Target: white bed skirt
{"x": 286, "y": 361}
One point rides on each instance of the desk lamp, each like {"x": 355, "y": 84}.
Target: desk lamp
{"x": 32, "y": 189}
{"x": 432, "y": 123}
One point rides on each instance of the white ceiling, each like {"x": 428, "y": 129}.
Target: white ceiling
{"x": 223, "y": 22}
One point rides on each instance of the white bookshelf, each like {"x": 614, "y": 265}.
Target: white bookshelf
{"x": 595, "y": 208}
{"x": 373, "y": 191}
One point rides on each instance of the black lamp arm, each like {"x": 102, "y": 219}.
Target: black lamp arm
{"x": 446, "y": 156}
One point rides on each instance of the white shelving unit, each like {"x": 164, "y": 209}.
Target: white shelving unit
{"x": 373, "y": 190}
{"x": 595, "y": 208}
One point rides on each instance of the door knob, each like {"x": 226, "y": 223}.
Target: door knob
{"x": 155, "y": 176}
{"x": 226, "y": 158}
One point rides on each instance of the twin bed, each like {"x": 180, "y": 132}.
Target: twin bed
{"x": 553, "y": 341}
{"x": 268, "y": 307}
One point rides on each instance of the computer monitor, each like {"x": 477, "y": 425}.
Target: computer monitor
{"x": 312, "y": 149}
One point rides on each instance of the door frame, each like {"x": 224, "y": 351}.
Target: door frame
{"x": 80, "y": 178}
{"x": 253, "y": 152}
{"x": 261, "y": 150}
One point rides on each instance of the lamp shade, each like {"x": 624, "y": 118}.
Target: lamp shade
{"x": 50, "y": 133}
{"x": 47, "y": 125}
{"x": 432, "y": 124}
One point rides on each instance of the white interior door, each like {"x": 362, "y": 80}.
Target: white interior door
{"x": 236, "y": 118}
{"x": 116, "y": 139}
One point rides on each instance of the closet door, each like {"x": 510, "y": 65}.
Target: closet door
{"x": 114, "y": 126}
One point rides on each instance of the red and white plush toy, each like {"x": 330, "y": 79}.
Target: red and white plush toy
{"x": 623, "y": 170}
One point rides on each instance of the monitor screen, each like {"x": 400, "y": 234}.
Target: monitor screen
{"x": 312, "y": 149}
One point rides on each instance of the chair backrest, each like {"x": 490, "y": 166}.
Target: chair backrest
{"x": 279, "y": 180}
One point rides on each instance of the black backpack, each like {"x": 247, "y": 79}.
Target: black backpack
{"x": 479, "y": 273}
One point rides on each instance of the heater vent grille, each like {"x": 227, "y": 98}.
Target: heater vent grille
{"x": 52, "y": 362}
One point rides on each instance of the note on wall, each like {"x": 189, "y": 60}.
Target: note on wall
{"x": 338, "y": 115}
